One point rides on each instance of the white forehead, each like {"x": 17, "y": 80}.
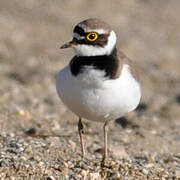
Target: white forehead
{"x": 88, "y": 29}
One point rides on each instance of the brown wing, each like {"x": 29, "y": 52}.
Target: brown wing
{"x": 123, "y": 59}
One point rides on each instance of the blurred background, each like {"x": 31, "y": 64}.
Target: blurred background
{"x": 31, "y": 33}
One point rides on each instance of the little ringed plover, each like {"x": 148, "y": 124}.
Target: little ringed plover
{"x": 100, "y": 82}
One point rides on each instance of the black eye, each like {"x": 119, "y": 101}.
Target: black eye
{"x": 92, "y": 36}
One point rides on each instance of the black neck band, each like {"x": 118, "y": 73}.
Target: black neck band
{"x": 107, "y": 63}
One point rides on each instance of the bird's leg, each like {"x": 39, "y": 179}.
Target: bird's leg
{"x": 81, "y": 132}
{"x": 105, "y": 141}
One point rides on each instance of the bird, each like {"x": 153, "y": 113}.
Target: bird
{"x": 100, "y": 83}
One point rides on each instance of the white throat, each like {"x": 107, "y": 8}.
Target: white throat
{"x": 88, "y": 50}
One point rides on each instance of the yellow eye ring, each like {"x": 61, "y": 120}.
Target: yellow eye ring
{"x": 92, "y": 36}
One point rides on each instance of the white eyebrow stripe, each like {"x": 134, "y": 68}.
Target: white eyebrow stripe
{"x": 99, "y": 31}
{"x": 87, "y": 29}
{"x": 77, "y": 36}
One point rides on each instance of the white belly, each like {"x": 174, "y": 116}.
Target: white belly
{"x": 92, "y": 96}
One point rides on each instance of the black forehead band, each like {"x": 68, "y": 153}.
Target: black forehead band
{"x": 79, "y": 31}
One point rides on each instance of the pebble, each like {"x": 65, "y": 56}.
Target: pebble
{"x": 94, "y": 176}
{"x": 50, "y": 178}
{"x": 84, "y": 173}
{"x": 30, "y": 131}
{"x": 145, "y": 171}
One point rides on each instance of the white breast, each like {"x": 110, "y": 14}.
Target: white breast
{"x": 92, "y": 96}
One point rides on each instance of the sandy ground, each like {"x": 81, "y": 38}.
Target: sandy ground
{"x": 38, "y": 137}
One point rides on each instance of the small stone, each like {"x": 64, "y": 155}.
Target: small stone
{"x": 65, "y": 164}
{"x": 94, "y": 176}
{"x": 83, "y": 173}
{"x": 2, "y": 163}
{"x": 50, "y": 178}
{"x": 24, "y": 113}
{"x": 21, "y": 112}
{"x": 145, "y": 171}
{"x": 154, "y": 132}
{"x": 141, "y": 160}
{"x": 13, "y": 178}
{"x": 30, "y": 131}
